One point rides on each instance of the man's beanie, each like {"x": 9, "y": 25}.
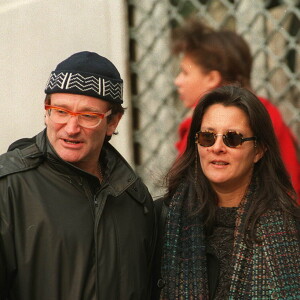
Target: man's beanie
{"x": 87, "y": 73}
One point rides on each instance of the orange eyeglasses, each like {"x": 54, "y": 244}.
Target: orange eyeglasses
{"x": 61, "y": 115}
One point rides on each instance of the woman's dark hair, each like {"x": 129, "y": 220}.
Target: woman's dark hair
{"x": 224, "y": 51}
{"x": 274, "y": 185}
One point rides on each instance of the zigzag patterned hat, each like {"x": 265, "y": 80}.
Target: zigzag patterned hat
{"x": 87, "y": 73}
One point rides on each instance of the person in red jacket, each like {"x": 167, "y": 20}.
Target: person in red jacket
{"x": 210, "y": 58}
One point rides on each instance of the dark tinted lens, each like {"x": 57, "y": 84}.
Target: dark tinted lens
{"x": 206, "y": 139}
{"x": 233, "y": 139}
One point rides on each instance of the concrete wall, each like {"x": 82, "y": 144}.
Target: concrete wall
{"x": 38, "y": 34}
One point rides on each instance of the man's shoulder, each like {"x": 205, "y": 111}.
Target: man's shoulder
{"x": 19, "y": 160}
{"x": 120, "y": 173}
{"x": 139, "y": 191}
{"x": 124, "y": 178}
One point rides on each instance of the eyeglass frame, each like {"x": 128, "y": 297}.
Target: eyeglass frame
{"x": 75, "y": 114}
{"x": 225, "y": 137}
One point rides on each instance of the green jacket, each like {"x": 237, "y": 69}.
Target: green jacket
{"x": 63, "y": 236}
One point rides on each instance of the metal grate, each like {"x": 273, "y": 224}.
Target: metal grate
{"x": 270, "y": 27}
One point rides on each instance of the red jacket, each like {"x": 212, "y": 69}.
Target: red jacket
{"x": 287, "y": 142}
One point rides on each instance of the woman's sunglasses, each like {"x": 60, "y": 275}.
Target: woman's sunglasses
{"x": 231, "y": 139}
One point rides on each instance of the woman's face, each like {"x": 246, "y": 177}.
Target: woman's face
{"x": 193, "y": 81}
{"x": 227, "y": 169}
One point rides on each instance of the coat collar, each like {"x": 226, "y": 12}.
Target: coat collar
{"x": 119, "y": 175}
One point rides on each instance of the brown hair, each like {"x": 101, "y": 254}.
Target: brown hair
{"x": 224, "y": 51}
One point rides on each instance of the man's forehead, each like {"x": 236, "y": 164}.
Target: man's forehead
{"x": 78, "y": 100}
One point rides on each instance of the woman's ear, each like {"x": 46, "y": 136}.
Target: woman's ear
{"x": 260, "y": 151}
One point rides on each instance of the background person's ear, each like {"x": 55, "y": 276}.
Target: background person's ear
{"x": 214, "y": 79}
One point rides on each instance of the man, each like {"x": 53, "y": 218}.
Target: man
{"x": 76, "y": 222}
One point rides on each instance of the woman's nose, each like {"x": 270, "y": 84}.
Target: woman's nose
{"x": 219, "y": 145}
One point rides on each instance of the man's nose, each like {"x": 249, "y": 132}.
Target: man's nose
{"x": 72, "y": 126}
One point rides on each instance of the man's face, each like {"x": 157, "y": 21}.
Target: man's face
{"x": 73, "y": 143}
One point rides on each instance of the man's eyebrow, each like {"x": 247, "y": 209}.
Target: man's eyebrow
{"x": 85, "y": 109}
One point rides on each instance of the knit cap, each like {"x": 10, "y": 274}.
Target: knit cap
{"x": 87, "y": 73}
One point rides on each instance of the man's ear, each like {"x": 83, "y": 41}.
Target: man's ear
{"x": 46, "y": 119}
{"x": 113, "y": 123}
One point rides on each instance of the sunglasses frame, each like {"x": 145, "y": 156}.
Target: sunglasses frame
{"x": 225, "y": 138}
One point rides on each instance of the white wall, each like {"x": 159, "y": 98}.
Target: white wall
{"x": 35, "y": 36}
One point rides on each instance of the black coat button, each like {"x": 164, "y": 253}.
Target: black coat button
{"x": 161, "y": 283}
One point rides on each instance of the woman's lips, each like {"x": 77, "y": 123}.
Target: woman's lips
{"x": 219, "y": 163}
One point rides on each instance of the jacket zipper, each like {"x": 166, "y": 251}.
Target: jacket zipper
{"x": 95, "y": 201}
{"x": 96, "y": 220}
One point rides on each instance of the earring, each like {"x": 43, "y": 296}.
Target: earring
{"x": 196, "y": 166}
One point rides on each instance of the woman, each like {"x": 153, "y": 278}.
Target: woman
{"x": 211, "y": 58}
{"x": 231, "y": 228}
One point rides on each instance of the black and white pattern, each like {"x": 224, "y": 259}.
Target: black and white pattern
{"x": 110, "y": 90}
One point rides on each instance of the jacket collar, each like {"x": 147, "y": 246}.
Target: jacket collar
{"x": 118, "y": 173}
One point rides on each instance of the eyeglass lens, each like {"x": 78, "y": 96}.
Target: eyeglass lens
{"x": 61, "y": 116}
{"x": 231, "y": 139}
